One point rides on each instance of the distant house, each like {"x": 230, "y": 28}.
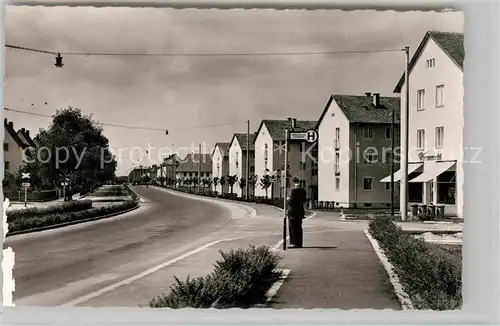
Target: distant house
{"x": 355, "y": 149}
{"x": 436, "y": 152}
{"x": 220, "y": 165}
{"x": 238, "y": 152}
{"x": 168, "y": 167}
{"x": 14, "y": 146}
{"x": 270, "y": 157}
{"x": 187, "y": 171}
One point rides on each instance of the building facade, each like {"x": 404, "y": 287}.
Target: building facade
{"x": 270, "y": 157}
{"x": 238, "y": 161}
{"x": 192, "y": 166}
{"x": 355, "y": 135}
{"x": 167, "y": 168}
{"x": 14, "y": 146}
{"x": 220, "y": 166}
{"x": 436, "y": 121}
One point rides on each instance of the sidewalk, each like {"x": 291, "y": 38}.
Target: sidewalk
{"x": 335, "y": 269}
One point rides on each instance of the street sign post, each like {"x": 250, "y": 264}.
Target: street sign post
{"x": 25, "y": 182}
{"x": 310, "y": 136}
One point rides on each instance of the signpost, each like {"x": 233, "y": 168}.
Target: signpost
{"x": 310, "y": 136}
{"x": 25, "y": 182}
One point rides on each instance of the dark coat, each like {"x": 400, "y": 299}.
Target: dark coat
{"x": 296, "y": 203}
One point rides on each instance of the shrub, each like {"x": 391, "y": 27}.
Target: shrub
{"x": 23, "y": 223}
{"x": 67, "y": 207}
{"x": 240, "y": 279}
{"x": 431, "y": 280}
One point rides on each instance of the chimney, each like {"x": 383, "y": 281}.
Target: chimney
{"x": 5, "y": 121}
{"x": 11, "y": 124}
{"x": 27, "y": 133}
{"x": 294, "y": 123}
{"x": 376, "y": 100}
{"x": 368, "y": 94}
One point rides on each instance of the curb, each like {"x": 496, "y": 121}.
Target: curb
{"x": 60, "y": 225}
{"x": 403, "y": 297}
{"x": 273, "y": 290}
{"x": 253, "y": 212}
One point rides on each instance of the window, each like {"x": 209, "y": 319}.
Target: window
{"x": 303, "y": 183}
{"x": 337, "y": 137}
{"x": 388, "y": 134}
{"x": 218, "y": 168}
{"x": 337, "y": 163}
{"x": 252, "y": 169}
{"x": 369, "y": 158}
{"x": 6, "y": 165}
{"x": 388, "y": 186}
{"x": 431, "y": 63}
{"x": 420, "y": 99}
{"x": 388, "y": 157}
{"x": 420, "y": 139}
{"x": 439, "y": 137}
{"x": 367, "y": 183}
{"x": 368, "y": 133}
{"x": 439, "y": 96}
{"x": 265, "y": 156}
{"x": 302, "y": 165}
{"x": 5, "y": 147}
{"x": 337, "y": 184}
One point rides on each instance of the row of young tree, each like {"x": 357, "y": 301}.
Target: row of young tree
{"x": 73, "y": 148}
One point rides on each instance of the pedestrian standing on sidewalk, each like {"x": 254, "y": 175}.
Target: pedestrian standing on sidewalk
{"x": 296, "y": 214}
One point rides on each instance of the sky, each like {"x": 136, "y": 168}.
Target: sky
{"x": 199, "y": 99}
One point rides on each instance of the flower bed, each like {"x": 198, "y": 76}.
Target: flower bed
{"x": 429, "y": 277}
{"x": 66, "y": 207}
{"x": 239, "y": 280}
{"x": 26, "y": 223}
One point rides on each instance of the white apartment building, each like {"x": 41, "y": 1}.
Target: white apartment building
{"x": 238, "y": 160}
{"x": 220, "y": 165}
{"x": 436, "y": 122}
{"x": 270, "y": 157}
{"x": 14, "y": 145}
{"x": 355, "y": 134}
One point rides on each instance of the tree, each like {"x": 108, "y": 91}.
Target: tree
{"x": 74, "y": 148}
{"x": 265, "y": 182}
{"x": 231, "y": 180}
{"x": 243, "y": 183}
{"x": 252, "y": 181}
{"x": 215, "y": 182}
{"x": 222, "y": 182}
{"x": 145, "y": 179}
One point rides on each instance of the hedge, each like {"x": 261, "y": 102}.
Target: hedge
{"x": 67, "y": 207}
{"x": 431, "y": 280}
{"x": 42, "y": 195}
{"x": 31, "y": 222}
{"x": 239, "y": 280}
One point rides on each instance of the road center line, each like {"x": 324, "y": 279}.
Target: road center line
{"x": 140, "y": 275}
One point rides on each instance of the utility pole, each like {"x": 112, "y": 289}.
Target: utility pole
{"x": 285, "y": 177}
{"x": 392, "y": 162}
{"x": 199, "y": 170}
{"x": 405, "y": 125}
{"x": 248, "y": 161}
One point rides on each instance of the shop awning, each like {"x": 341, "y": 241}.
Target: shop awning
{"x": 412, "y": 167}
{"x": 432, "y": 170}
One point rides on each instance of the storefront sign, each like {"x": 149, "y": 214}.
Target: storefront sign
{"x": 436, "y": 157}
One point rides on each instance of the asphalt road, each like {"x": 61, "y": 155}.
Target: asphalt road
{"x": 56, "y": 266}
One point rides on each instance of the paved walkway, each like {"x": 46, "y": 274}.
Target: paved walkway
{"x": 337, "y": 268}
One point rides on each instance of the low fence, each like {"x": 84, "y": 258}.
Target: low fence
{"x": 32, "y": 196}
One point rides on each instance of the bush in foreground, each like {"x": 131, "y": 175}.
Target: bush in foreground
{"x": 67, "y": 207}
{"x": 28, "y": 222}
{"x": 240, "y": 279}
{"x": 430, "y": 279}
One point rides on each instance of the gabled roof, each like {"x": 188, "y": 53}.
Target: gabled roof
{"x": 9, "y": 127}
{"x": 24, "y": 135}
{"x": 277, "y": 128}
{"x": 171, "y": 159}
{"x": 190, "y": 163}
{"x": 451, "y": 43}
{"x": 242, "y": 140}
{"x": 360, "y": 108}
{"x": 224, "y": 147}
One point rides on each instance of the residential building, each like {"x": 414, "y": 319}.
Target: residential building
{"x": 168, "y": 167}
{"x": 238, "y": 152}
{"x": 270, "y": 157}
{"x": 355, "y": 149}
{"x": 14, "y": 146}
{"x": 220, "y": 165}
{"x": 436, "y": 121}
{"x": 186, "y": 174}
